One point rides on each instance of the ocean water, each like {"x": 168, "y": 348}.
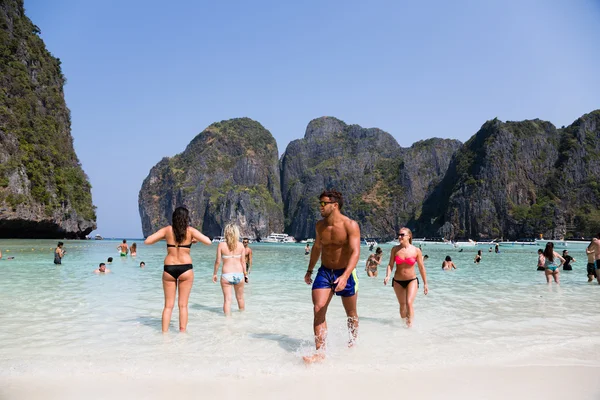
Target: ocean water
{"x": 63, "y": 319}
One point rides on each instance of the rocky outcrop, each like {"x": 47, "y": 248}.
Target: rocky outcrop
{"x": 520, "y": 179}
{"x": 383, "y": 184}
{"x": 228, "y": 173}
{"x": 44, "y": 192}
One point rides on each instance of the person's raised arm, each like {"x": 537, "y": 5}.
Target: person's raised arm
{"x": 156, "y": 236}
{"x": 315, "y": 253}
{"x": 390, "y": 266}
{"x": 200, "y": 237}
{"x": 217, "y": 263}
{"x": 422, "y": 270}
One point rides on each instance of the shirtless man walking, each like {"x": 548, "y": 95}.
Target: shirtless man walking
{"x": 337, "y": 243}
{"x": 595, "y": 247}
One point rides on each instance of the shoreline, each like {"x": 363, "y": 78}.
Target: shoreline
{"x": 518, "y": 382}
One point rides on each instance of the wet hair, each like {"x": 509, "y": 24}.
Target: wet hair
{"x": 60, "y": 244}
{"x": 232, "y": 235}
{"x": 334, "y": 196}
{"x": 549, "y": 251}
{"x": 540, "y": 251}
{"x": 101, "y": 265}
{"x": 109, "y": 259}
{"x": 448, "y": 258}
{"x": 425, "y": 256}
{"x": 379, "y": 251}
{"x": 133, "y": 247}
{"x": 409, "y": 233}
{"x": 124, "y": 240}
{"x": 181, "y": 221}
{"x": 479, "y": 252}
{"x": 142, "y": 263}
{"x": 564, "y": 251}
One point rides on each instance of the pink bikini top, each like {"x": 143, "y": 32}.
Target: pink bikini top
{"x": 408, "y": 260}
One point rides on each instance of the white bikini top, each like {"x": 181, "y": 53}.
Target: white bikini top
{"x": 232, "y": 256}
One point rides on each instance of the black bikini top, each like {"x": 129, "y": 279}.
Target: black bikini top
{"x": 187, "y": 246}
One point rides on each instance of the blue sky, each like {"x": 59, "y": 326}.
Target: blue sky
{"x": 145, "y": 77}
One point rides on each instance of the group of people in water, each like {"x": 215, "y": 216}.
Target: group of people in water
{"x": 336, "y": 245}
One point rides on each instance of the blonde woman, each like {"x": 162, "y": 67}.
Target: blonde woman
{"x": 405, "y": 281}
{"x": 233, "y": 255}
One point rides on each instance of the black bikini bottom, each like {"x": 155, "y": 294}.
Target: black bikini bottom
{"x": 405, "y": 284}
{"x": 176, "y": 270}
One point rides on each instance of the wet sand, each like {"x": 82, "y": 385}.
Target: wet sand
{"x": 533, "y": 382}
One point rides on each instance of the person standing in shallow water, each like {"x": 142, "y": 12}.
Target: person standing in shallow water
{"x": 235, "y": 274}
{"x": 550, "y": 263}
{"x": 178, "y": 272}
{"x": 405, "y": 281}
{"x": 591, "y": 261}
{"x": 568, "y": 260}
{"x": 59, "y": 253}
{"x": 337, "y": 243}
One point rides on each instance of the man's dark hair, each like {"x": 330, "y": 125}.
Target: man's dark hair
{"x": 334, "y": 196}
{"x": 109, "y": 259}
{"x": 124, "y": 240}
{"x": 101, "y": 264}
{"x": 598, "y": 235}
{"x": 142, "y": 263}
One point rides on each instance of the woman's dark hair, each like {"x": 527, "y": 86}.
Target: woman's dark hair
{"x": 448, "y": 258}
{"x": 549, "y": 251}
{"x": 379, "y": 251}
{"x": 60, "y": 244}
{"x": 181, "y": 220}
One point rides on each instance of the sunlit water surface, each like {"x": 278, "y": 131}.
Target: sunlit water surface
{"x": 63, "y": 319}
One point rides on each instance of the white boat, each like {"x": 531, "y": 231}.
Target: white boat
{"x": 218, "y": 239}
{"x": 98, "y": 237}
{"x": 469, "y": 243}
{"x": 434, "y": 243}
{"x": 279, "y": 238}
{"x": 368, "y": 242}
{"x": 564, "y": 244}
{"x": 519, "y": 243}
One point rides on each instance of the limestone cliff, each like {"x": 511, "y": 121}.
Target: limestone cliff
{"x": 229, "y": 172}
{"x": 382, "y": 183}
{"x": 520, "y": 179}
{"x": 44, "y": 192}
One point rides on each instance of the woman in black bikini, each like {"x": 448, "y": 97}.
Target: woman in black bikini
{"x": 178, "y": 264}
{"x": 405, "y": 281}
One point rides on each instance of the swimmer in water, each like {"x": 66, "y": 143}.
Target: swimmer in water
{"x": 102, "y": 269}
{"x": 447, "y": 264}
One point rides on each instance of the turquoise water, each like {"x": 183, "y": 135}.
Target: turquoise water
{"x": 66, "y": 320}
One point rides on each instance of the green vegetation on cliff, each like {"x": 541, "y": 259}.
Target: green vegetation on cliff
{"x": 34, "y": 113}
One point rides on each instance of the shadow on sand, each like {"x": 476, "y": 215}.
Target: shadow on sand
{"x": 287, "y": 343}
{"x": 216, "y": 310}
{"x": 383, "y": 321}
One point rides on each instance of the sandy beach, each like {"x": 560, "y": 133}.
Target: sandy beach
{"x": 533, "y": 382}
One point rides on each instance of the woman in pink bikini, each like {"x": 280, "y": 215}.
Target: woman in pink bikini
{"x": 405, "y": 281}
